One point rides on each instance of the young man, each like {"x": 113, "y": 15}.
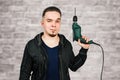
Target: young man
{"x": 49, "y": 55}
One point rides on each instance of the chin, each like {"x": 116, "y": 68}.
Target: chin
{"x": 52, "y": 35}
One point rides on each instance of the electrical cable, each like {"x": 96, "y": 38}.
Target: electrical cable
{"x": 102, "y": 68}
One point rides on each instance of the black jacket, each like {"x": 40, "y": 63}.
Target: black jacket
{"x": 34, "y": 62}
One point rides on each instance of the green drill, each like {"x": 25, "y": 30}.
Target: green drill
{"x": 77, "y": 31}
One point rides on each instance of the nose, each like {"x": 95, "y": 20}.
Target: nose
{"x": 53, "y": 24}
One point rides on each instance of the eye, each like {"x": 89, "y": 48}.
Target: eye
{"x": 49, "y": 20}
{"x": 58, "y": 21}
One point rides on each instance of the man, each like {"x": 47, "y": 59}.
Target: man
{"x": 49, "y": 55}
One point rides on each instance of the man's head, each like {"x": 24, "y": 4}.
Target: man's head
{"x": 51, "y": 20}
{"x": 51, "y": 8}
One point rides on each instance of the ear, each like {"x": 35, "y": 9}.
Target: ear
{"x": 42, "y": 22}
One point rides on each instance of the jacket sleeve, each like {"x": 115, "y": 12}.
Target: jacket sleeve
{"x": 25, "y": 69}
{"x": 78, "y": 60}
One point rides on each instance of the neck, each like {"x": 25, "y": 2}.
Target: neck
{"x": 50, "y": 41}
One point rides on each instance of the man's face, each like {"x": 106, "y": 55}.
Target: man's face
{"x": 51, "y": 23}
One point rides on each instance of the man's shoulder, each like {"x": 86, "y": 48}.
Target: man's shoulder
{"x": 33, "y": 41}
{"x": 64, "y": 40}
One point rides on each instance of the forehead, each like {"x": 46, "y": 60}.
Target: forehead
{"x": 52, "y": 15}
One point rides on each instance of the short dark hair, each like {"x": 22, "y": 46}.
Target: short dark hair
{"x": 51, "y": 8}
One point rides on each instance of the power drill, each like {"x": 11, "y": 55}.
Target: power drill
{"x": 77, "y": 35}
{"x": 77, "y": 31}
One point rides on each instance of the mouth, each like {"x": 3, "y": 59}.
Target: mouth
{"x": 53, "y": 31}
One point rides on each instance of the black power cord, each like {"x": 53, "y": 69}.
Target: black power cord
{"x": 102, "y": 68}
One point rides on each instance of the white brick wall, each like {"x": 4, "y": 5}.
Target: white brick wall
{"x": 99, "y": 19}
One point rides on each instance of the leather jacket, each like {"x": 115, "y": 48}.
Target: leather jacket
{"x": 34, "y": 62}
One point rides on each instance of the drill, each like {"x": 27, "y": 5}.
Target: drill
{"x": 77, "y": 35}
{"x": 77, "y": 31}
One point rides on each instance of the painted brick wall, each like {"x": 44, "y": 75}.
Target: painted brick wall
{"x": 99, "y": 19}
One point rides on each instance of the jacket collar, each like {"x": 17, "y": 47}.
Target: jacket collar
{"x": 39, "y": 39}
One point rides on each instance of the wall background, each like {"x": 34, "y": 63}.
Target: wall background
{"x": 100, "y": 21}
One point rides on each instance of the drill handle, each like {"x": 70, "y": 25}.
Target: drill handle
{"x": 84, "y": 41}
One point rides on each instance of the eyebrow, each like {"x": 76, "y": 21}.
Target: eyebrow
{"x": 56, "y": 19}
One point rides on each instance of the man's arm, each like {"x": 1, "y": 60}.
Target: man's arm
{"x": 25, "y": 65}
{"x": 77, "y": 61}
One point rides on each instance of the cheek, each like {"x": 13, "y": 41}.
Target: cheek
{"x": 46, "y": 25}
{"x": 47, "y": 28}
{"x": 58, "y": 26}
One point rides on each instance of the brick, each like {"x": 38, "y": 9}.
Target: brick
{"x": 6, "y": 67}
{"x": 99, "y": 20}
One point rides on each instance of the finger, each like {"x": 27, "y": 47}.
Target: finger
{"x": 86, "y": 46}
{"x": 79, "y": 42}
{"x": 87, "y": 40}
{"x": 84, "y": 37}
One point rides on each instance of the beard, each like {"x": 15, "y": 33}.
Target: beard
{"x": 53, "y": 34}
